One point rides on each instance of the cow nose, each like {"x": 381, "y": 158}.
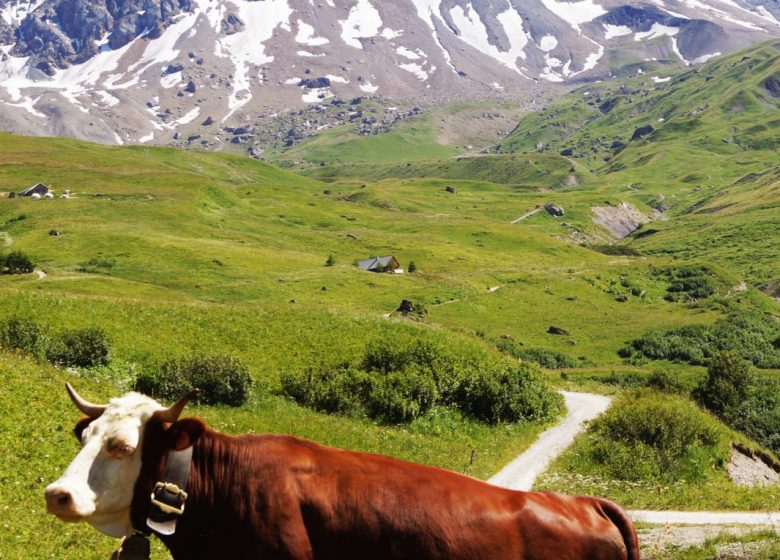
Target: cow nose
{"x": 58, "y": 500}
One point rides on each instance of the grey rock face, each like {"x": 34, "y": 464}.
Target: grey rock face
{"x": 64, "y": 32}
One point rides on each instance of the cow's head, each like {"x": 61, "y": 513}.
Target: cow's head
{"x": 98, "y": 485}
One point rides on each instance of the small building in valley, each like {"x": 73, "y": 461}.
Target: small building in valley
{"x": 38, "y": 189}
{"x": 381, "y": 264}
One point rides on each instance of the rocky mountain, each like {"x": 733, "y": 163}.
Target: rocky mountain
{"x": 150, "y": 70}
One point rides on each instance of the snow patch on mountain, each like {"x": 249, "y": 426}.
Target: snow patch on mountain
{"x": 363, "y": 21}
{"x": 721, "y": 14}
{"x": 246, "y": 48}
{"x": 612, "y": 31}
{"x": 548, "y": 43}
{"x": 410, "y": 54}
{"x": 306, "y": 36}
{"x": 189, "y": 116}
{"x": 575, "y": 13}
{"x": 473, "y": 31}
{"x": 415, "y": 69}
{"x": 767, "y": 15}
{"x": 426, "y": 11}
{"x": 655, "y": 31}
{"x": 13, "y": 13}
{"x": 316, "y": 95}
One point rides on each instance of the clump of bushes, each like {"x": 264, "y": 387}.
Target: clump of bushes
{"x": 221, "y": 379}
{"x": 87, "y": 347}
{"x": 399, "y": 379}
{"x": 688, "y": 283}
{"x": 752, "y": 335}
{"x": 16, "y": 262}
{"x": 647, "y": 437}
{"x": 733, "y": 391}
{"x": 550, "y": 359}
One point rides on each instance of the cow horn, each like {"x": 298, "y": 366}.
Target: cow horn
{"x": 88, "y": 408}
{"x": 172, "y": 413}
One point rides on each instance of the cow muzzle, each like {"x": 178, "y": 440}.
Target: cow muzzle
{"x": 61, "y": 502}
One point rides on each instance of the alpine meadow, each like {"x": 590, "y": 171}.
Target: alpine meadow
{"x": 427, "y": 276}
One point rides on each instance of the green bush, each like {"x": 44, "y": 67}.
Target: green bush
{"x": 88, "y": 347}
{"x": 749, "y": 333}
{"x": 759, "y": 415}
{"x": 665, "y": 380}
{"x": 550, "y": 359}
{"x": 402, "y": 396}
{"x": 25, "y": 335}
{"x": 689, "y": 282}
{"x": 648, "y": 437}
{"x": 338, "y": 389}
{"x": 733, "y": 391}
{"x": 505, "y": 393}
{"x": 16, "y": 263}
{"x": 221, "y": 379}
{"x": 400, "y": 378}
{"x": 728, "y": 384}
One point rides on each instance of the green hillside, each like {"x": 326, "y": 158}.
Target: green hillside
{"x": 175, "y": 253}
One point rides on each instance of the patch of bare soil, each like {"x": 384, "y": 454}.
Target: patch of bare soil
{"x": 745, "y": 470}
{"x": 620, "y": 219}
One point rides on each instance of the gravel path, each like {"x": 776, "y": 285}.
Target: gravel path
{"x": 521, "y": 473}
{"x": 707, "y": 517}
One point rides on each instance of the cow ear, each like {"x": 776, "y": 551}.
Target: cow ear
{"x": 185, "y": 433}
{"x": 81, "y": 425}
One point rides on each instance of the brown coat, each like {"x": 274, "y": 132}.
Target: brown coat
{"x": 280, "y": 497}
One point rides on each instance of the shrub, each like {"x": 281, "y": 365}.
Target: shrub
{"x": 728, "y": 384}
{"x": 400, "y": 378}
{"x": 328, "y": 388}
{"x": 750, "y": 334}
{"x": 665, "y": 380}
{"x": 16, "y": 263}
{"x": 23, "y": 334}
{"x": 402, "y": 396}
{"x": 689, "y": 282}
{"x": 650, "y": 437}
{"x": 504, "y": 393}
{"x": 331, "y": 260}
{"x": 550, "y": 359}
{"x": 221, "y": 379}
{"x": 80, "y": 347}
{"x": 759, "y": 415}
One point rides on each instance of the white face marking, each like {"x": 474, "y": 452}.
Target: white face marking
{"x": 101, "y": 478}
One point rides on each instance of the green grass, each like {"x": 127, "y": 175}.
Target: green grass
{"x": 173, "y": 252}
{"x": 759, "y": 545}
{"x": 697, "y": 481}
{"x": 414, "y": 139}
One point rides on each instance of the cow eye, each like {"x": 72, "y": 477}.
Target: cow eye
{"x": 117, "y": 448}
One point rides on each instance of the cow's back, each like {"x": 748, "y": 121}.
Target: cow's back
{"x": 358, "y": 505}
{"x": 282, "y": 497}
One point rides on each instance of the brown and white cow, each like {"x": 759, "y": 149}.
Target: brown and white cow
{"x": 280, "y": 497}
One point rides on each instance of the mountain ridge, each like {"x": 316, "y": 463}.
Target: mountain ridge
{"x": 145, "y": 70}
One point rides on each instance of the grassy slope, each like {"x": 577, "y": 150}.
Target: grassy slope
{"x": 197, "y": 250}
{"x": 716, "y": 129}
{"x": 414, "y": 139}
{"x": 224, "y": 230}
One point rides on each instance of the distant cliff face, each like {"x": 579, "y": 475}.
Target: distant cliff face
{"x": 126, "y": 70}
{"x": 59, "y": 33}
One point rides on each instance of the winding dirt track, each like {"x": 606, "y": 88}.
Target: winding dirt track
{"x": 521, "y": 473}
